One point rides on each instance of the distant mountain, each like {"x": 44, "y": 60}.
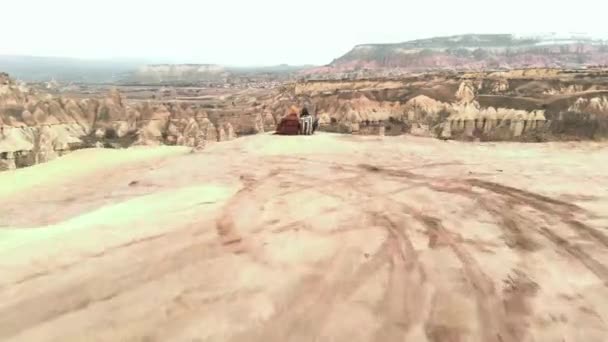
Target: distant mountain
{"x": 193, "y": 73}
{"x": 30, "y": 68}
{"x": 170, "y": 73}
{"x": 69, "y": 70}
{"x": 281, "y": 68}
{"x": 476, "y": 51}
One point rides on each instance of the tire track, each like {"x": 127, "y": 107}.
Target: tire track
{"x": 505, "y": 200}
{"x": 532, "y": 199}
{"x": 304, "y": 317}
{"x": 406, "y": 293}
{"x": 491, "y": 314}
{"x": 588, "y": 231}
{"x": 544, "y": 204}
{"x": 516, "y": 237}
{"x": 599, "y": 269}
{"x": 225, "y": 226}
{"x": 509, "y": 197}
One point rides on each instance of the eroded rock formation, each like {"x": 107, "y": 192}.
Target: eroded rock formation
{"x": 531, "y": 105}
{"x": 36, "y": 127}
{"x": 520, "y": 106}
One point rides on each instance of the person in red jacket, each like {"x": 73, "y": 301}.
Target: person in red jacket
{"x": 290, "y": 124}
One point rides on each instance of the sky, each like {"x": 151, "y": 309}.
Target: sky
{"x": 268, "y": 32}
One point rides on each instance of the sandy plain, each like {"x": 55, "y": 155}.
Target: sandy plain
{"x": 319, "y": 238}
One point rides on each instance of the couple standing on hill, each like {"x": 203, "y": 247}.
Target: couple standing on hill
{"x": 291, "y": 124}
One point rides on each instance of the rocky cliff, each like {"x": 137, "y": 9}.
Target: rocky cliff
{"x": 473, "y": 51}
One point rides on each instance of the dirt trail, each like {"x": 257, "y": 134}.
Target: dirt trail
{"x": 348, "y": 239}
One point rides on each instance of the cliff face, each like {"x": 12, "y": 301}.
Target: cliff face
{"x": 534, "y": 106}
{"x": 36, "y": 127}
{"x": 475, "y": 52}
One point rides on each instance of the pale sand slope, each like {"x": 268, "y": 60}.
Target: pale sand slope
{"x": 348, "y": 239}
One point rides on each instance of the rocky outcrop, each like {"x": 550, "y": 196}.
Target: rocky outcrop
{"x": 471, "y": 121}
{"x": 259, "y": 124}
{"x": 230, "y": 135}
{"x": 7, "y": 161}
{"x": 499, "y": 86}
{"x": 466, "y": 92}
{"x": 468, "y": 107}
{"x": 36, "y": 128}
{"x": 597, "y": 106}
{"x": 569, "y": 89}
{"x": 586, "y": 118}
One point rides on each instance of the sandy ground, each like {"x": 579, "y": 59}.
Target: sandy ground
{"x": 322, "y": 238}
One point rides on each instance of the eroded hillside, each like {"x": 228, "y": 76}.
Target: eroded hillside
{"x": 36, "y": 127}
{"x": 525, "y": 105}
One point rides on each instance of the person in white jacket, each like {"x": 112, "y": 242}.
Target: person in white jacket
{"x": 308, "y": 124}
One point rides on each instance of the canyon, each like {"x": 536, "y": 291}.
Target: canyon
{"x": 532, "y": 105}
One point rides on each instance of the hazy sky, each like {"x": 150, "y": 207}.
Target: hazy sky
{"x": 266, "y": 32}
